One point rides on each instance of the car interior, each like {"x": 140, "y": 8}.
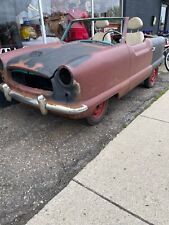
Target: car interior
{"x": 100, "y": 35}
{"x": 134, "y": 36}
{"x": 111, "y": 36}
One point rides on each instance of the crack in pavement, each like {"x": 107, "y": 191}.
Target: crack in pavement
{"x": 114, "y": 203}
{"x": 163, "y": 121}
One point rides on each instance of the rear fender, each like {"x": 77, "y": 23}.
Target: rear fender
{"x": 158, "y": 48}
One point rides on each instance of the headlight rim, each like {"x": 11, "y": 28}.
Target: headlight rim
{"x": 63, "y": 72}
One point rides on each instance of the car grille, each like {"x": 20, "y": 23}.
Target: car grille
{"x": 31, "y": 80}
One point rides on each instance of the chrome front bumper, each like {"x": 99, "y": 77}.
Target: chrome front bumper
{"x": 40, "y": 102}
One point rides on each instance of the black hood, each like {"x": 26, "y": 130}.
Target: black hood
{"x": 46, "y": 61}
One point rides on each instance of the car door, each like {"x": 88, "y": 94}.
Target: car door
{"x": 141, "y": 62}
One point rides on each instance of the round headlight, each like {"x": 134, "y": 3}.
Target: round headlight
{"x": 65, "y": 76}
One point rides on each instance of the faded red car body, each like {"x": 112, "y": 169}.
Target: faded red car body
{"x": 92, "y": 72}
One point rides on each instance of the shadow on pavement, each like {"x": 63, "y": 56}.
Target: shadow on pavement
{"x": 4, "y": 103}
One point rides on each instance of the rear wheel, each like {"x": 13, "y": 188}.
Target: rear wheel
{"x": 98, "y": 113}
{"x": 150, "y": 81}
{"x": 166, "y": 60}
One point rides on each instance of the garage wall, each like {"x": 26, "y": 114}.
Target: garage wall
{"x": 167, "y": 20}
{"x": 144, "y": 9}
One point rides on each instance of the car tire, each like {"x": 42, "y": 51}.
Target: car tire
{"x": 98, "y": 113}
{"x": 166, "y": 60}
{"x": 151, "y": 80}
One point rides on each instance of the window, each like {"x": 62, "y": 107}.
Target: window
{"x": 162, "y": 17}
{"x": 19, "y": 23}
{"x": 107, "y": 8}
{"x": 20, "y": 20}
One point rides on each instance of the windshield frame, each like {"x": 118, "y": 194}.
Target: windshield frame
{"x": 123, "y": 19}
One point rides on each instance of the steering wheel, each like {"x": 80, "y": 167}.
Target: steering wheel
{"x": 113, "y": 33}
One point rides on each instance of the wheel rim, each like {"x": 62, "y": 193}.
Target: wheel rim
{"x": 154, "y": 75}
{"x": 98, "y": 111}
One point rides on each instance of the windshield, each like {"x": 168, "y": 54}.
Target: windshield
{"x": 107, "y": 29}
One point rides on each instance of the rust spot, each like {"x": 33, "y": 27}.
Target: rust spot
{"x": 24, "y": 64}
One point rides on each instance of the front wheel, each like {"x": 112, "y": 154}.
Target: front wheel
{"x": 98, "y": 113}
{"x": 150, "y": 81}
{"x": 166, "y": 60}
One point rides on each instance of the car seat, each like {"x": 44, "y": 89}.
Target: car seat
{"x": 100, "y": 35}
{"x": 136, "y": 37}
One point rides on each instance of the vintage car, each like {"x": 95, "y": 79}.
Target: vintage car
{"x": 77, "y": 79}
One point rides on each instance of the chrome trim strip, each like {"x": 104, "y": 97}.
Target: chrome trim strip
{"x": 40, "y": 102}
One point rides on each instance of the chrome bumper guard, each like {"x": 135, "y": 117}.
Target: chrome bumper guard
{"x": 40, "y": 102}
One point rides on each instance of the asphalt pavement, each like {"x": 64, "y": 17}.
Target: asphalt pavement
{"x": 127, "y": 183}
{"x": 40, "y": 155}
